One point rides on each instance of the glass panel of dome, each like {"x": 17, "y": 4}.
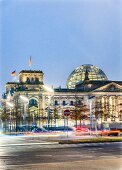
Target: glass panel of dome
{"x": 94, "y": 73}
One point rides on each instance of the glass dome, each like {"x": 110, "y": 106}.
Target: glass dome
{"x": 80, "y": 73}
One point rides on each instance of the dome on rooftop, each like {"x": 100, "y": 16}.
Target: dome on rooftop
{"x": 85, "y": 72}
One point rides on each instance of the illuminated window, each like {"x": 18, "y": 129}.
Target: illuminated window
{"x": 71, "y": 103}
{"x": 64, "y": 103}
{"x": 56, "y": 103}
{"x": 33, "y": 102}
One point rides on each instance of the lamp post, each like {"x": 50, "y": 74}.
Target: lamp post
{"x": 10, "y": 105}
{"x": 34, "y": 122}
{"x": 50, "y": 91}
{"x": 25, "y": 101}
{"x": 90, "y": 109}
{"x": 66, "y": 114}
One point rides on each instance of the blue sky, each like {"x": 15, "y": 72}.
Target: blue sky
{"x": 60, "y": 35}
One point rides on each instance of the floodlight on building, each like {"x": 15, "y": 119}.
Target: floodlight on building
{"x": 24, "y": 98}
{"x": 48, "y": 89}
{"x": 8, "y": 97}
{"x": 10, "y": 104}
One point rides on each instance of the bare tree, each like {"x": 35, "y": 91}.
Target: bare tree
{"x": 80, "y": 113}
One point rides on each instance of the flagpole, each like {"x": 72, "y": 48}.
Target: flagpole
{"x": 30, "y": 67}
{"x": 30, "y": 62}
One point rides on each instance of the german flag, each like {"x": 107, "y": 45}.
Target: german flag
{"x": 13, "y": 73}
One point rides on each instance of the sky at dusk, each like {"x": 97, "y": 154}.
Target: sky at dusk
{"x": 60, "y": 35}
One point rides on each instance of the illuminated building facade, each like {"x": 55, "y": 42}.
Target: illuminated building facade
{"x": 86, "y": 85}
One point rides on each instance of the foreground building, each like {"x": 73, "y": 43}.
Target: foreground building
{"x": 89, "y": 97}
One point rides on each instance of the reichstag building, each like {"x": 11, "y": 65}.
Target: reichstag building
{"x": 89, "y": 98}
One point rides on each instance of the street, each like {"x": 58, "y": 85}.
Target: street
{"x": 32, "y": 153}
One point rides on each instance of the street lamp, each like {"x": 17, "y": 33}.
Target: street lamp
{"x": 34, "y": 122}
{"x": 25, "y": 101}
{"x": 90, "y": 109}
{"x": 10, "y": 105}
{"x": 51, "y": 91}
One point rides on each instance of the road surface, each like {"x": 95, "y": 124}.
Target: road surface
{"x": 39, "y": 155}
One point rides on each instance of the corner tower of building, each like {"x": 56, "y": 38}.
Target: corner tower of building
{"x": 31, "y": 76}
{"x": 27, "y": 79}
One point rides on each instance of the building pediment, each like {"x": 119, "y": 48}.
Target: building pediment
{"x": 111, "y": 87}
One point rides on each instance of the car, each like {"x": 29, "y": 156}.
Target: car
{"x": 106, "y": 132}
{"x": 39, "y": 130}
{"x": 60, "y": 130}
{"x": 111, "y": 132}
{"x": 81, "y": 130}
{"x": 29, "y": 129}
